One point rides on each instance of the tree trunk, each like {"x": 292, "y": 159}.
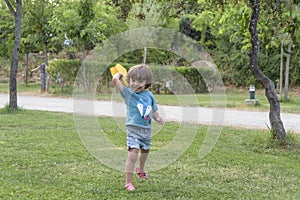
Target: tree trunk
{"x": 47, "y": 75}
{"x": 145, "y": 53}
{"x": 287, "y": 72}
{"x": 15, "y": 54}
{"x": 84, "y": 75}
{"x": 26, "y": 69}
{"x": 281, "y": 71}
{"x": 274, "y": 114}
{"x": 46, "y": 54}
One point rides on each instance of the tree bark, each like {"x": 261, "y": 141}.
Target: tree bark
{"x": 15, "y": 54}
{"x": 270, "y": 92}
{"x": 46, "y": 54}
{"x": 26, "y": 69}
{"x": 287, "y": 72}
{"x": 145, "y": 53}
{"x": 281, "y": 70}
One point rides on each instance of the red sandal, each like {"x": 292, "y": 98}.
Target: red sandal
{"x": 141, "y": 174}
{"x": 129, "y": 187}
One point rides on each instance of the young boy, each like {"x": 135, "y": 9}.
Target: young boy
{"x": 141, "y": 109}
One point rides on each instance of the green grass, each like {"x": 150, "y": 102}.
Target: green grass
{"x": 42, "y": 157}
{"x": 21, "y": 87}
{"x": 236, "y": 99}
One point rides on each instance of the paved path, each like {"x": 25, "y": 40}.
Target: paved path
{"x": 227, "y": 117}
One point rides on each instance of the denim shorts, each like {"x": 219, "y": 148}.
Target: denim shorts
{"x": 138, "y": 138}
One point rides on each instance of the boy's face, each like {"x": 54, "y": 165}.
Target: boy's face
{"x": 137, "y": 85}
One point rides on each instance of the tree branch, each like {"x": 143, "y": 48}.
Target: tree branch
{"x": 11, "y": 9}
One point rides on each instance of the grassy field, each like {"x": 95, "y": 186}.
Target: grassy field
{"x": 234, "y": 99}
{"x": 42, "y": 157}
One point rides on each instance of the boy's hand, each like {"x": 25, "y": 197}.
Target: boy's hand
{"x": 157, "y": 118}
{"x": 118, "y": 76}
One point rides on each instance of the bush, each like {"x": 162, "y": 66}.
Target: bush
{"x": 63, "y": 72}
{"x": 183, "y": 80}
{"x": 171, "y": 79}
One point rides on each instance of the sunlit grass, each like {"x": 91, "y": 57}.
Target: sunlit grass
{"x": 42, "y": 157}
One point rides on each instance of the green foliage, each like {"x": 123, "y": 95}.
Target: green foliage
{"x": 193, "y": 79}
{"x": 63, "y": 71}
{"x": 4, "y": 65}
{"x": 182, "y": 78}
{"x": 224, "y": 32}
{"x": 6, "y": 32}
{"x": 37, "y": 31}
{"x": 86, "y": 15}
{"x": 155, "y": 56}
{"x": 87, "y": 23}
{"x": 145, "y": 14}
{"x": 295, "y": 70}
{"x": 221, "y": 27}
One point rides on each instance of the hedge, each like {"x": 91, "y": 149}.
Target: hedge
{"x": 63, "y": 71}
{"x": 166, "y": 79}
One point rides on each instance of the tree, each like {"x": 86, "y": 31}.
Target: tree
{"x": 223, "y": 28}
{"x": 290, "y": 28}
{"x": 284, "y": 17}
{"x": 274, "y": 114}
{"x": 6, "y": 31}
{"x": 146, "y": 14}
{"x": 13, "y": 101}
{"x": 87, "y": 23}
{"x": 287, "y": 69}
{"x": 224, "y": 33}
{"x": 37, "y": 28}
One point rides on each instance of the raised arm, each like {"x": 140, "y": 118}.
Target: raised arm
{"x": 117, "y": 82}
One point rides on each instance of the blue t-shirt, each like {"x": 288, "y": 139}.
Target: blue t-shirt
{"x": 140, "y": 107}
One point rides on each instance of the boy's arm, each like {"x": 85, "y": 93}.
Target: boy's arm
{"x": 157, "y": 118}
{"x": 116, "y": 81}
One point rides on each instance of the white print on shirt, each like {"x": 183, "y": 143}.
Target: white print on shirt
{"x": 147, "y": 111}
{"x": 140, "y": 107}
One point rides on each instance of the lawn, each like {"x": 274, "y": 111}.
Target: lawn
{"x": 42, "y": 157}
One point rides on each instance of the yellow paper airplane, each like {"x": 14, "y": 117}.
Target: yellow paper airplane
{"x": 122, "y": 70}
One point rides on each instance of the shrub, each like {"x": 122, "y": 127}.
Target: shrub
{"x": 63, "y": 72}
{"x": 184, "y": 80}
{"x": 171, "y": 79}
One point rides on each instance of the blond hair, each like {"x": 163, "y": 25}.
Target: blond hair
{"x": 142, "y": 73}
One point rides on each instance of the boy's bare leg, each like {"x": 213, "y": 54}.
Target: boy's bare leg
{"x": 143, "y": 157}
{"x": 131, "y": 160}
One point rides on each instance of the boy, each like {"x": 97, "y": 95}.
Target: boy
{"x": 141, "y": 109}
